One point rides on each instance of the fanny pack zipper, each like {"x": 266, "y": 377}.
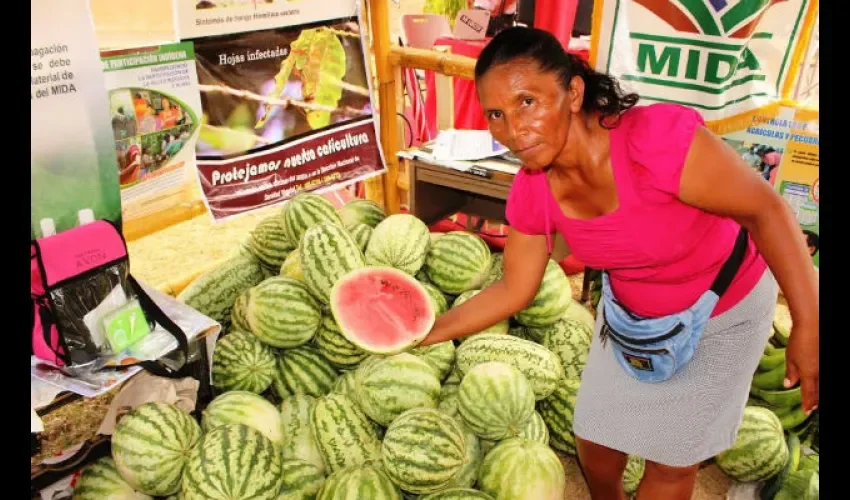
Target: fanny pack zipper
{"x": 652, "y": 340}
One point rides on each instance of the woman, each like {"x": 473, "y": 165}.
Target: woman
{"x": 648, "y": 194}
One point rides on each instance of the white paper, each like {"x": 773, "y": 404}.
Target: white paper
{"x": 467, "y": 145}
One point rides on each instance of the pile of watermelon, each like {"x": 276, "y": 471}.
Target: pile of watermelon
{"x": 323, "y": 391}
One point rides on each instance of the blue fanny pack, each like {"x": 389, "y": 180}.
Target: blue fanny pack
{"x": 654, "y": 349}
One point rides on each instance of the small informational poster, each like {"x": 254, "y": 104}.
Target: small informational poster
{"x": 285, "y": 110}
{"x": 73, "y": 170}
{"x": 155, "y": 112}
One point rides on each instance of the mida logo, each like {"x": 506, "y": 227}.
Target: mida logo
{"x": 713, "y": 54}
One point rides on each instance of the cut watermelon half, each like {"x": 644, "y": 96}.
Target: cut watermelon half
{"x": 382, "y": 310}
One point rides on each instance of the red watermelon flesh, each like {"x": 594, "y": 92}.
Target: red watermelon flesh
{"x": 382, "y": 310}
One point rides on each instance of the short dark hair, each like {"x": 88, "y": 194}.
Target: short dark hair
{"x": 812, "y": 239}
{"x": 602, "y": 92}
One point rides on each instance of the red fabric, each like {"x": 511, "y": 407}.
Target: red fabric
{"x": 468, "y": 114}
{"x": 556, "y": 17}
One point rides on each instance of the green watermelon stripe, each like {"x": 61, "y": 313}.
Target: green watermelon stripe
{"x": 328, "y": 253}
{"x": 495, "y": 400}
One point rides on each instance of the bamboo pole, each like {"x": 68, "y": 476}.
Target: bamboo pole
{"x": 444, "y": 63}
{"x": 379, "y": 17}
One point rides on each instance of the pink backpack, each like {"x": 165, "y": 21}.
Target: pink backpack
{"x": 73, "y": 272}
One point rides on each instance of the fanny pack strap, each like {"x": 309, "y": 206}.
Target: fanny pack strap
{"x": 732, "y": 265}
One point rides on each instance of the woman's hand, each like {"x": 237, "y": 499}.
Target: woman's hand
{"x": 802, "y": 365}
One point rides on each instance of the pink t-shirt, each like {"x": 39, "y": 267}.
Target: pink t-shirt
{"x": 661, "y": 254}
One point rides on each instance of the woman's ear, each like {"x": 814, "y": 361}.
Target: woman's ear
{"x": 576, "y": 93}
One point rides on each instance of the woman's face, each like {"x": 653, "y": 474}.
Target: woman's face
{"x": 528, "y": 111}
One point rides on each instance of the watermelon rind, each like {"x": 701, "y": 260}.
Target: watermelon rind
{"x": 441, "y": 305}
{"x": 570, "y": 340}
{"x": 760, "y": 449}
{"x": 540, "y": 366}
{"x": 552, "y": 300}
{"x": 579, "y": 312}
{"x": 246, "y": 408}
{"x": 359, "y": 483}
{"x": 557, "y": 411}
{"x": 502, "y": 327}
{"x": 242, "y": 363}
{"x": 214, "y": 292}
{"x": 304, "y": 211}
{"x": 359, "y": 211}
{"x": 497, "y": 269}
{"x": 303, "y": 370}
{"x": 332, "y": 344}
{"x": 635, "y": 467}
{"x": 441, "y": 357}
{"x": 535, "y": 429}
{"x": 233, "y": 462}
{"x": 328, "y": 253}
{"x": 423, "y": 450}
{"x": 520, "y": 469}
{"x": 345, "y": 436}
{"x": 269, "y": 242}
{"x": 457, "y": 262}
{"x": 495, "y": 400}
{"x": 400, "y": 241}
{"x": 346, "y": 384}
{"x": 458, "y": 494}
{"x": 150, "y": 445}
{"x": 411, "y": 338}
{"x": 298, "y": 440}
{"x": 282, "y": 313}
{"x": 390, "y": 386}
{"x": 101, "y": 480}
{"x": 302, "y": 480}
{"x": 473, "y": 455}
{"x": 291, "y": 267}
{"x": 362, "y": 234}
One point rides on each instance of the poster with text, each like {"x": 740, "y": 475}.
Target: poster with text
{"x": 721, "y": 57}
{"x": 285, "y": 110}
{"x": 781, "y": 143}
{"x": 73, "y": 172}
{"x": 155, "y": 113}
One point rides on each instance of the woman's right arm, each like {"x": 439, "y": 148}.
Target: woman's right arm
{"x": 525, "y": 259}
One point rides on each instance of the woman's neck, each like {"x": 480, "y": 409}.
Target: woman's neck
{"x": 586, "y": 147}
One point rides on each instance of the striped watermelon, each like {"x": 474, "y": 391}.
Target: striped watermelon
{"x": 303, "y": 370}
{"x": 557, "y": 411}
{"x": 392, "y": 385}
{"x": 760, "y": 449}
{"x": 362, "y": 234}
{"x": 441, "y": 305}
{"x": 495, "y": 400}
{"x": 346, "y": 384}
{"x": 382, "y": 310}
{"x": 520, "y": 469}
{"x": 457, "y": 262}
{"x": 501, "y": 327}
{"x": 246, "y": 408}
{"x": 540, "y": 366}
{"x": 100, "y": 480}
{"x": 635, "y": 467}
{"x": 282, "y": 313}
{"x": 328, "y": 253}
{"x": 448, "y": 399}
{"x": 400, "y": 241}
{"x": 150, "y": 445}
{"x": 441, "y": 357}
{"x": 497, "y": 269}
{"x": 242, "y": 363}
{"x": 269, "y": 242}
{"x": 332, "y": 344}
{"x": 423, "y": 450}
{"x": 214, "y": 292}
{"x": 306, "y": 210}
{"x": 473, "y": 455}
{"x": 570, "y": 340}
{"x": 522, "y": 332}
{"x": 238, "y": 315}
{"x": 302, "y": 480}
{"x": 458, "y": 494}
{"x": 359, "y": 483}
{"x": 360, "y": 211}
{"x": 535, "y": 429}
{"x": 298, "y": 440}
{"x": 552, "y": 300}
{"x": 579, "y": 312}
{"x": 343, "y": 432}
{"x": 233, "y": 462}
{"x": 291, "y": 267}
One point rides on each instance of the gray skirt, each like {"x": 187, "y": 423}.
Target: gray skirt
{"x": 694, "y": 415}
